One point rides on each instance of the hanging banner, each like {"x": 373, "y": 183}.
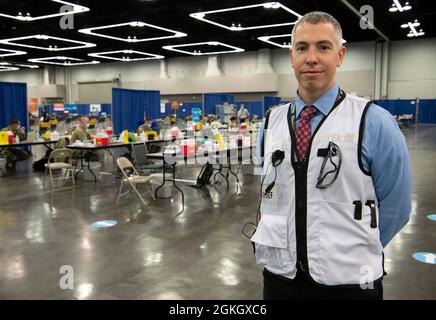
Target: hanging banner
{"x": 58, "y": 107}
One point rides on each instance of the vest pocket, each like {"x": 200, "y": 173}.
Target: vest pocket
{"x": 340, "y": 246}
{"x": 271, "y": 239}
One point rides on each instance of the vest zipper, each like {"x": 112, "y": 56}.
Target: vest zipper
{"x": 301, "y": 214}
{"x": 300, "y": 171}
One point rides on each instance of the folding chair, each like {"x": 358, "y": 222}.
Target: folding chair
{"x": 142, "y": 163}
{"x": 57, "y": 160}
{"x": 133, "y": 178}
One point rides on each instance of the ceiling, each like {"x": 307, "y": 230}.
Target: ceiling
{"x": 175, "y": 16}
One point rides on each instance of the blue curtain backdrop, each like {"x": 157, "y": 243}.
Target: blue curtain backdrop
{"x": 184, "y": 110}
{"x": 107, "y": 108}
{"x": 397, "y": 107}
{"x": 129, "y": 106}
{"x": 84, "y": 109}
{"x": 270, "y": 102}
{"x": 210, "y": 100}
{"x": 13, "y": 103}
{"x": 253, "y": 107}
{"x": 427, "y": 111}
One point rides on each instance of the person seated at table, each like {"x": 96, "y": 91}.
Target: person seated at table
{"x": 14, "y": 154}
{"x": 81, "y": 134}
{"x": 233, "y": 123}
{"x": 146, "y": 126}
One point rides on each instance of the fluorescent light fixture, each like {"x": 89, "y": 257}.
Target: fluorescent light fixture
{"x": 133, "y": 24}
{"x": 49, "y": 47}
{"x": 3, "y": 69}
{"x": 396, "y": 6}
{"x": 281, "y": 44}
{"x": 67, "y": 63}
{"x": 75, "y": 9}
{"x": 268, "y": 5}
{"x": 31, "y": 66}
{"x": 199, "y": 53}
{"x": 105, "y": 55}
{"x": 413, "y": 32}
{"x": 10, "y": 53}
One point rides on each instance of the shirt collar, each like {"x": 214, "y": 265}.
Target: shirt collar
{"x": 323, "y": 104}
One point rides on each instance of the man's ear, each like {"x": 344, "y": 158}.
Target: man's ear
{"x": 291, "y": 55}
{"x": 341, "y": 55}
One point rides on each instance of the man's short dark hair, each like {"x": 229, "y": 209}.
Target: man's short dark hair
{"x": 15, "y": 121}
{"x": 316, "y": 17}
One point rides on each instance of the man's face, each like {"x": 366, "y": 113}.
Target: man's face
{"x": 14, "y": 126}
{"x": 315, "y": 56}
{"x": 84, "y": 122}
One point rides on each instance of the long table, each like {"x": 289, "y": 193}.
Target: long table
{"x": 84, "y": 149}
{"x": 164, "y": 156}
{"x": 25, "y": 143}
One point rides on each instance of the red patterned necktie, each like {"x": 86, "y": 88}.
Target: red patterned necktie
{"x": 304, "y": 131}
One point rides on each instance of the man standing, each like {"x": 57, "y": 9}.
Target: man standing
{"x": 337, "y": 184}
{"x": 243, "y": 114}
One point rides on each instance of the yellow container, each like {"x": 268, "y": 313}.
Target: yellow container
{"x": 151, "y": 135}
{"x": 219, "y": 140}
{"x": 4, "y": 137}
{"x": 126, "y": 136}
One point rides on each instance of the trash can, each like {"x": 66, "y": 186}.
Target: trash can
{"x": 166, "y": 190}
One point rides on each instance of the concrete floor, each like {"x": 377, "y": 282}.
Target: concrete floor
{"x": 154, "y": 254}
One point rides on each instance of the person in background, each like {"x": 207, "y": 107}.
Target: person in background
{"x": 45, "y": 117}
{"x": 233, "y": 123}
{"x": 14, "y": 154}
{"x": 243, "y": 114}
{"x": 146, "y": 126}
{"x": 80, "y": 133}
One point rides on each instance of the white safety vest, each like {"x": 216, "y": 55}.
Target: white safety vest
{"x": 320, "y": 229}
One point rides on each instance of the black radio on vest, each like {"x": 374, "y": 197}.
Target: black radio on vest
{"x": 276, "y": 159}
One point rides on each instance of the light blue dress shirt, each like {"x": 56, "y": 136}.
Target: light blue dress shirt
{"x": 384, "y": 154}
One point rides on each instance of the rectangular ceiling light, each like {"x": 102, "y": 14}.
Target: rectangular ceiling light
{"x": 27, "y": 17}
{"x": 46, "y": 41}
{"x": 32, "y": 66}
{"x": 67, "y": 61}
{"x": 268, "y": 6}
{"x": 3, "y": 69}
{"x": 281, "y": 44}
{"x": 199, "y": 53}
{"x": 396, "y": 6}
{"x": 7, "y": 53}
{"x": 125, "y": 57}
{"x": 413, "y": 32}
{"x": 133, "y": 39}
